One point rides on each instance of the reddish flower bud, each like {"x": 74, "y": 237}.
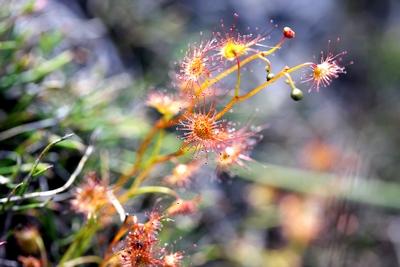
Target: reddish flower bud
{"x": 183, "y": 207}
{"x": 288, "y": 32}
{"x": 30, "y": 261}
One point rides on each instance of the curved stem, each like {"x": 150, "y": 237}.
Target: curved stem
{"x": 156, "y": 149}
{"x": 144, "y": 174}
{"x": 290, "y": 80}
{"x": 28, "y": 178}
{"x": 159, "y": 125}
{"x": 162, "y": 123}
{"x": 117, "y": 205}
{"x": 53, "y": 192}
{"x": 257, "y": 89}
{"x": 266, "y": 62}
{"x": 154, "y": 189}
{"x": 140, "y": 179}
{"x": 140, "y": 153}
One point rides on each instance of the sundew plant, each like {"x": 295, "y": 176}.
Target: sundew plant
{"x": 75, "y": 192}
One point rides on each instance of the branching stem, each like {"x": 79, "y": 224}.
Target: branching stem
{"x": 257, "y": 89}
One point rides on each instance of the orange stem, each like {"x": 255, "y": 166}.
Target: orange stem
{"x": 140, "y": 153}
{"x": 160, "y": 124}
{"x": 257, "y": 89}
{"x": 143, "y": 175}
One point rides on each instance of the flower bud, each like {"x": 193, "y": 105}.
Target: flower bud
{"x": 270, "y": 76}
{"x": 288, "y": 33}
{"x": 296, "y": 94}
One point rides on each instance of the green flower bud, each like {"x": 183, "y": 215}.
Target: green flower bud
{"x": 296, "y": 94}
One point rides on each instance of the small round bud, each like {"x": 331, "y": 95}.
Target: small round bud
{"x": 296, "y": 94}
{"x": 288, "y": 33}
{"x": 270, "y": 76}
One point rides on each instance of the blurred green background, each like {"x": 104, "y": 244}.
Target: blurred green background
{"x": 324, "y": 189}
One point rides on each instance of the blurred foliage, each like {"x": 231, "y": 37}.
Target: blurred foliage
{"x": 52, "y": 84}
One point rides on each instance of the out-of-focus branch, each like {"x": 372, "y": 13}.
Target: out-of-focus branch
{"x": 50, "y": 193}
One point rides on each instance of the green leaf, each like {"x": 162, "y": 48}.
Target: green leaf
{"x": 82, "y": 241}
{"x": 49, "y": 40}
{"x": 369, "y": 191}
{"x": 30, "y": 206}
{"x": 7, "y": 45}
{"x": 26, "y": 167}
{"x": 46, "y": 67}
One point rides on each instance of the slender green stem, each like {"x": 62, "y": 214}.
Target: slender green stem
{"x": 58, "y": 190}
{"x": 156, "y": 149}
{"x": 28, "y": 178}
{"x": 154, "y": 189}
{"x": 290, "y": 80}
{"x": 81, "y": 241}
{"x": 82, "y": 260}
{"x": 46, "y": 67}
{"x": 139, "y": 154}
{"x": 144, "y": 174}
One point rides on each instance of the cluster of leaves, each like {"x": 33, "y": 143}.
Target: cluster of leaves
{"x": 41, "y": 119}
